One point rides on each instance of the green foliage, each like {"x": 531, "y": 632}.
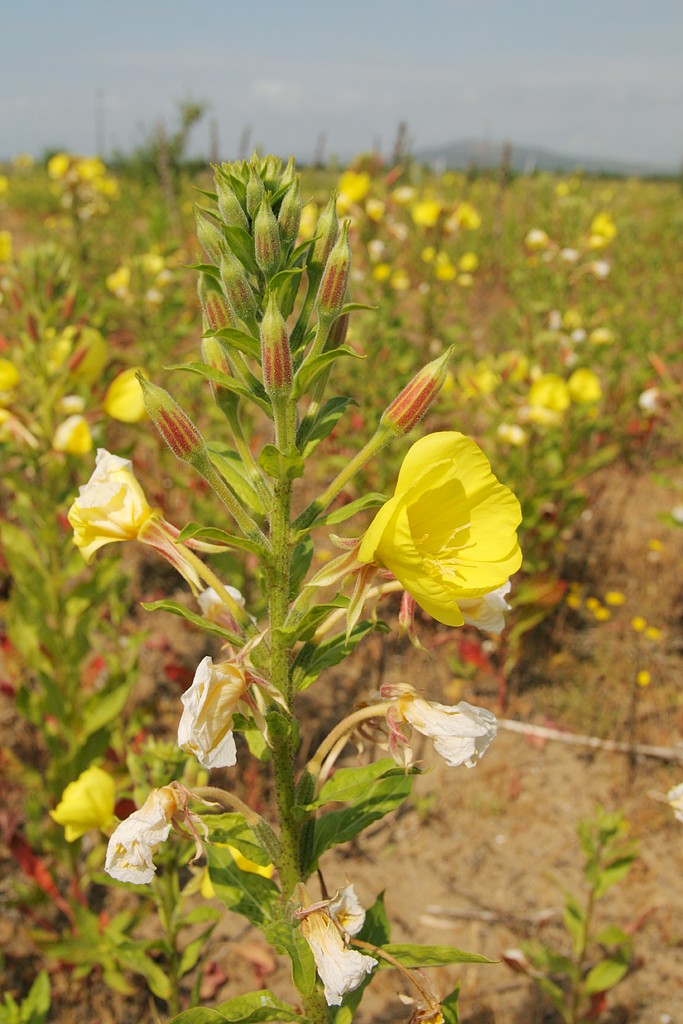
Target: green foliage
{"x": 34, "y": 1009}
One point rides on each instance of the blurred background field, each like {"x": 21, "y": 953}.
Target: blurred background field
{"x": 561, "y": 297}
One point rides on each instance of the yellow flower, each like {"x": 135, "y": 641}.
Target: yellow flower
{"x": 90, "y": 355}
{"x": 354, "y": 186}
{"x": 536, "y": 239}
{"x": 468, "y": 262}
{"x": 375, "y": 209}
{"x": 403, "y": 195}
{"x": 309, "y": 219}
{"x": 9, "y": 375}
{"x": 549, "y": 391}
{"x": 118, "y": 281}
{"x": 58, "y": 165}
{"x": 6, "y": 247}
{"x": 382, "y": 272}
{"x": 643, "y": 678}
{"x": 399, "y": 281}
{"x": 467, "y": 217}
{"x": 449, "y": 530}
{"x": 4, "y": 184}
{"x": 615, "y": 598}
{"x": 111, "y": 507}
{"x": 638, "y": 623}
{"x": 584, "y": 387}
{"x": 73, "y": 436}
{"x": 601, "y": 336}
{"x": 428, "y": 254}
{"x": 426, "y": 213}
{"x": 444, "y": 270}
{"x": 86, "y": 804}
{"x": 602, "y": 227}
{"x": 123, "y": 400}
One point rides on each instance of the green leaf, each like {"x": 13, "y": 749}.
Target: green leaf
{"x": 280, "y": 466}
{"x": 254, "y": 393}
{"x": 240, "y": 340}
{"x": 178, "y": 609}
{"x": 103, "y": 708}
{"x": 380, "y": 798}
{"x": 352, "y": 307}
{"x": 604, "y": 976}
{"x": 257, "y": 1006}
{"x": 288, "y": 939}
{"x": 242, "y": 245}
{"x": 310, "y": 370}
{"x": 199, "y": 1015}
{"x": 612, "y": 935}
{"x": 376, "y": 925}
{"x": 214, "y": 534}
{"x": 412, "y": 955}
{"x": 312, "y": 659}
{"x": 232, "y": 829}
{"x": 306, "y": 627}
{"x": 371, "y": 500}
{"x": 300, "y": 562}
{"x": 205, "y": 268}
{"x": 349, "y": 784}
{"x": 613, "y": 873}
{"x": 449, "y": 1007}
{"x": 314, "y": 429}
{"x": 248, "y": 894}
{"x": 193, "y": 950}
{"x": 574, "y": 921}
{"x": 136, "y": 959}
{"x": 287, "y": 288}
{"x": 36, "y": 1006}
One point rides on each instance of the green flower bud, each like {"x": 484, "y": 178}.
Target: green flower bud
{"x": 229, "y": 205}
{"x": 408, "y": 408}
{"x": 267, "y": 248}
{"x": 289, "y": 217}
{"x": 289, "y": 173}
{"x": 238, "y": 290}
{"x": 276, "y": 359}
{"x": 332, "y": 290}
{"x": 176, "y": 428}
{"x": 210, "y": 237}
{"x": 326, "y": 231}
{"x": 255, "y": 191}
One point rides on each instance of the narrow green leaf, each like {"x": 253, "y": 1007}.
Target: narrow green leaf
{"x": 302, "y": 556}
{"x": 103, "y": 708}
{"x": 257, "y": 1006}
{"x": 199, "y": 1015}
{"x": 312, "y": 369}
{"x": 242, "y": 245}
{"x": 213, "y": 534}
{"x": 313, "y": 659}
{"x": 410, "y": 954}
{"x": 370, "y": 500}
{"x": 178, "y": 609}
{"x": 237, "y": 339}
{"x": 314, "y": 429}
{"x": 250, "y": 895}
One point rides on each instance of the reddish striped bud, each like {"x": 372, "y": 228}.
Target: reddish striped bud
{"x": 210, "y": 237}
{"x": 276, "y": 359}
{"x": 267, "y": 247}
{"x": 332, "y": 290}
{"x": 215, "y": 355}
{"x": 408, "y": 408}
{"x": 238, "y": 290}
{"x": 229, "y": 205}
{"x": 176, "y": 428}
{"x": 289, "y": 217}
{"x": 215, "y": 309}
{"x": 338, "y": 332}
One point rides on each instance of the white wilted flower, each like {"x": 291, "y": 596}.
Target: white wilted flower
{"x": 340, "y": 969}
{"x": 487, "y": 612}
{"x": 135, "y": 841}
{"x": 675, "y": 798}
{"x": 205, "y": 728}
{"x": 461, "y": 732}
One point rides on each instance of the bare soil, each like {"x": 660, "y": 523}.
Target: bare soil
{"x": 467, "y": 861}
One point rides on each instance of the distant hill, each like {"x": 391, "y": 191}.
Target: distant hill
{"x": 526, "y": 159}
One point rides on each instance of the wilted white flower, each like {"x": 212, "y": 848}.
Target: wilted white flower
{"x": 345, "y": 908}
{"x": 135, "y": 841}
{"x": 569, "y": 255}
{"x": 205, "y": 728}
{"x": 487, "y": 612}
{"x": 340, "y": 969}
{"x": 649, "y": 401}
{"x": 461, "y": 733}
{"x": 675, "y": 798}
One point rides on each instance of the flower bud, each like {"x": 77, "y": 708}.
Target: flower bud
{"x": 335, "y": 279}
{"x": 276, "y": 358}
{"x": 289, "y": 217}
{"x": 215, "y": 356}
{"x": 289, "y": 173}
{"x": 267, "y": 248}
{"x": 408, "y": 408}
{"x": 229, "y": 205}
{"x": 338, "y": 332}
{"x": 238, "y": 290}
{"x": 326, "y": 231}
{"x": 215, "y": 309}
{"x": 255, "y": 191}
{"x": 176, "y": 428}
{"x": 210, "y": 238}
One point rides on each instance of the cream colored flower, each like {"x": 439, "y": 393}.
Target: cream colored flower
{"x": 136, "y": 840}
{"x": 205, "y": 728}
{"x": 111, "y": 507}
{"x": 675, "y": 798}
{"x": 340, "y": 969}
{"x": 487, "y": 612}
{"x": 461, "y": 733}
{"x": 73, "y": 436}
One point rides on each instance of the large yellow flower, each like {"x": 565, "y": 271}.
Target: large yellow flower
{"x": 86, "y": 804}
{"x": 449, "y": 532}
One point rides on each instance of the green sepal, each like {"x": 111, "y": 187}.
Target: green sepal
{"x": 178, "y": 609}
{"x": 410, "y": 954}
{"x": 311, "y": 370}
{"x": 213, "y": 534}
{"x": 248, "y": 894}
{"x": 312, "y": 659}
{"x": 313, "y": 430}
{"x": 280, "y": 466}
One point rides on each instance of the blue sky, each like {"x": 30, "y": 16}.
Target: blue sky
{"x": 585, "y": 77}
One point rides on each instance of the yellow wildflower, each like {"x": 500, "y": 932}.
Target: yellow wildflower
{"x": 123, "y": 400}
{"x": 118, "y": 282}
{"x": 4, "y": 184}
{"x": 9, "y": 375}
{"x": 638, "y": 623}
{"x": 549, "y": 391}
{"x": 602, "y": 227}
{"x": 428, "y": 254}
{"x": 467, "y": 217}
{"x": 73, "y": 436}
{"x": 601, "y": 336}
{"x": 426, "y": 213}
{"x": 444, "y": 270}
{"x": 354, "y": 186}
{"x": 58, "y": 165}
{"x": 6, "y": 247}
{"x": 643, "y": 678}
{"x": 86, "y": 804}
{"x": 584, "y": 387}
{"x": 449, "y": 531}
{"x": 399, "y": 281}
{"x": 382, "y": 272}
{"x": 375, "y": 209}
{"x": 614, "y": 597}
{"x": 468, "y": 262}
